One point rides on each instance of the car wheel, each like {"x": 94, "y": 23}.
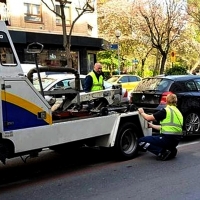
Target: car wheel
{"x": 192, "y": 122}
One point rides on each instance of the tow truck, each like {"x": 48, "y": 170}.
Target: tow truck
{"x": 28, "y": 125}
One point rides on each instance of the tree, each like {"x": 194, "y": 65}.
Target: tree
{"x": 108, "y": 59}
{"x": 176, "y": 70}
{"x": 160, "y": 21}
{"x": 116, "y": 15}
{"x": 84, "y": 6}
{"x": 188, "y": 48}
{"x": 193, "y": 10}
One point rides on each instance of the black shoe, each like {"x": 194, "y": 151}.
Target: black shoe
{"x": 141, "y": 149}
{"x": 173, "y": 153}
{"x": 164, "y": 155}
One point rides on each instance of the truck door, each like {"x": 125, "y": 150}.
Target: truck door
{"x": 23, "y": 106}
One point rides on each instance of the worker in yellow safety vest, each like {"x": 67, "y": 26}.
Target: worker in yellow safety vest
{"x": 94, "y": 79}
{"x": 171, "y": 122}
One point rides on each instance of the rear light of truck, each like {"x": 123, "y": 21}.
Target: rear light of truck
{"x": 125, "y": 94}
{"x": 164, "y": 96}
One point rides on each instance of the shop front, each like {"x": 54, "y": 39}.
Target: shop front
{"x": 83, "y": 49}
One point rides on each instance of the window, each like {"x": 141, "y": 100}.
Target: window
{"x": 67, "y": 11}
{"x": 7, "y": 57}
{"x": 32, "y": 12}
{"x": 197, "y": 82}
{"x": 60, "y": 84}
{"x": 178, "y": 86}
{"x": 191, "y": 86}
{"x": 124, "y": 79}
{"x": 133, "y": 78}
{"x": 91, "y": 61}
{"x": 153, "y": 84}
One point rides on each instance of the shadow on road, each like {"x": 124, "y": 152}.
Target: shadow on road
{"x": 190, "y": 138}
{"x": 50, "y": 163}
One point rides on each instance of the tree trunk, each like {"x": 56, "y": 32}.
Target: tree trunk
{"x": 163, "y": 61}
{"x": 142, "y": 67}
{"x": 69, "y": 57}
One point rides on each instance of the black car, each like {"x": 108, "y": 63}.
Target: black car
{"x": 151, "y": 93}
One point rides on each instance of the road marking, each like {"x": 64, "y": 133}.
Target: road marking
{"x": 191, "y": 143}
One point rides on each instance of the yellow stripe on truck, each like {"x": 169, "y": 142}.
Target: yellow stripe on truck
{"x": 27, "y": 105}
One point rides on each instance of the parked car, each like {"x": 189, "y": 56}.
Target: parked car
{"x": 127, "y": 81}
{"x": 57, "y": 81}
{"x": 27, "y": 67}
{"x": 151, "y": 95}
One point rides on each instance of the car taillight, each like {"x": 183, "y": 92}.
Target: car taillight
{"x": 164, "y": 96}
{"x": 126, "y": 94}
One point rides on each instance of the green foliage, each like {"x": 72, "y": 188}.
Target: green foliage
{"x": 176, "y": 70}
{"x": 106, "y": 75}
{"x": 108, "y": 59}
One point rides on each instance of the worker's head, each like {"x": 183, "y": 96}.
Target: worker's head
{"x": 171, "y": 99}
{"x": 98, "y": 68}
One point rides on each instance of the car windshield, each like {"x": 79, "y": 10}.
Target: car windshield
{"x": 113, "y": 79}
{"x": 153, "y": 84}
{"x": 45, "y": 82}
{"x": 107, "y": 85}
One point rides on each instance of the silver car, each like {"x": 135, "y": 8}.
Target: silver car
{"x": 66, "y": 81}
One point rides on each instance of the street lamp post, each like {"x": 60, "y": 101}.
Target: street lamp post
{"x": 118, "y": 34}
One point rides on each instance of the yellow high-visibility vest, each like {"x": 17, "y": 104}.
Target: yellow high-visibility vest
{"x": 173, "y": 122}
{"x": 97, "y": 84}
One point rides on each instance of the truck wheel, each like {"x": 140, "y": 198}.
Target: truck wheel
{"x": 126, "y": 141}
{"x": 4, "y": 152}
{"x": 104, "y": 111}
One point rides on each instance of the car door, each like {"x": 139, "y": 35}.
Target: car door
{"x": 190, "y": 100}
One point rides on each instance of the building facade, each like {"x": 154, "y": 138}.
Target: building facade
{"x": 31, "y": 21}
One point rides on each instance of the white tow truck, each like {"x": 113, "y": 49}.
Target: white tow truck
{"x": 28, "y": 125}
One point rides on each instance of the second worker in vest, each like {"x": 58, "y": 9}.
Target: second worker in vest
{"x": 94, "y": 80}
{"x": 171, "y": 122}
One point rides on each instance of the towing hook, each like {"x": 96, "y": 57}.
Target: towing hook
{"x": 132, "y": 107}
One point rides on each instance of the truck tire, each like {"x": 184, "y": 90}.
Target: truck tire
{"x": 4, "y": 152}
{"x": 126, "y": 141}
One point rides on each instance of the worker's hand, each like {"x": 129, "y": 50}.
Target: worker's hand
{"x": 150, "y": 125}
{"x": 140, "y": 110}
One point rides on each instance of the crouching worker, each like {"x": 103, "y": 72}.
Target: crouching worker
{"x": 171, "y": 122}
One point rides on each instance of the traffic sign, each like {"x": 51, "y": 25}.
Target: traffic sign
{"x": 135, "y": 61}
{"x": 173, "y": 57}
{"x": 114, "y": 46}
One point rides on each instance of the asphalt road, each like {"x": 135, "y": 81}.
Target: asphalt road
{"x": 93, "y": 175}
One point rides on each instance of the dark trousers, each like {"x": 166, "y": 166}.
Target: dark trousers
{"x": 160, "y": 143}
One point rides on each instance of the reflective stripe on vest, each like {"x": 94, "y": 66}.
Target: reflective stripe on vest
{"x": 97, "y": 84}
{"x": 173, "y": 122}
